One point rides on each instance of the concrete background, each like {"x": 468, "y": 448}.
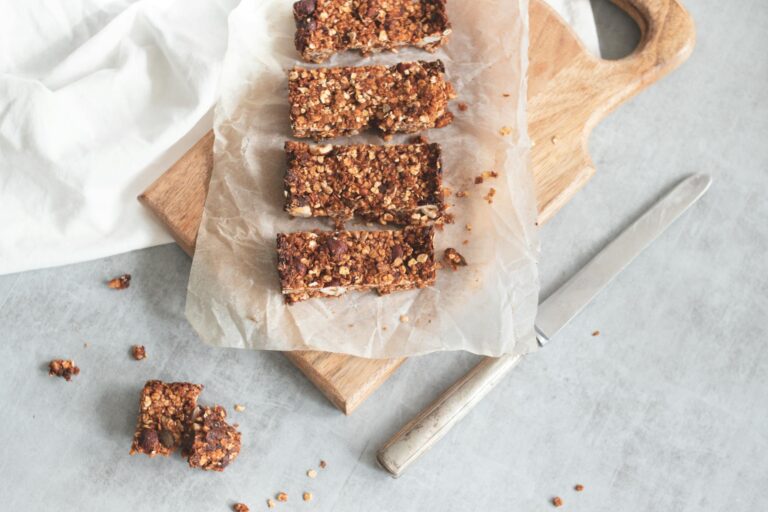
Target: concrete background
{"x": 666, "y": 410}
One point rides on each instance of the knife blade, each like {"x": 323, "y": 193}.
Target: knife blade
{"x": 431, "y": 424}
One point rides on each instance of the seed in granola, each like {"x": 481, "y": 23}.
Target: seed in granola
{"x": 281, "y": 496}
{"x": 311, "y": 473}
{"x": 307, "y": 496}
{"x": 557, "y": 501}
{"x": 240, "y": 507}
{"x": 239, "y": 407}
{"x": 139, "y": 352}
{"x": 505, "y": 130}
{"x": 120, "y": 283}
{"x": 404, "y": 319}
{"x": 270, "y": 503}
{"x": 323, "y": 464}
{"x": 578, "y": 487}
{"x": 454, "y": 259}
{"x": 463, "y": 107}
{"x": 596, "y": 333}
{"x": 64, "y": 368}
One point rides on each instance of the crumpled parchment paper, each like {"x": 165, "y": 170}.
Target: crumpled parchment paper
{"x": 487, "y": 307}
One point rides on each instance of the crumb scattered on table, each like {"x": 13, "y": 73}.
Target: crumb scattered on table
{"x": 506, "y": 95}
{"x": 465, "y": 242}
{"x": 478, "y": 180}
{"x": 554, "y": 139}
{"x": 307, "y": 496}
{"x": 323, "y": 464}
{"x": 578, "y": 487}
{"x": 468, "y": 227}
{"x": 282, "y": 497}
{"x": 139, "y": 352}
{"x": 463, "y": 107}
{"x": 455, "y": 260}
{"x": 120, "y": 283}
{"x": 489, "y": 196}
{"x": 596, "y": 333}
{"x": 557, "y": 501}
{"x": 404, "y": 319}
{"x": 271, "y": 503}
{"x": 64, "y": 368}
{"x": 239, "y": 407}
{"x": 505, "y": 130}
{"x": 311, "y": 473}
{"x": 240, "y": 507}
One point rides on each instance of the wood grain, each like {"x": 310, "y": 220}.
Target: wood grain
{"x": 569, "y": 92}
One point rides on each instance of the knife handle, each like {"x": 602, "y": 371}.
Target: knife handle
{"x": 431, "y": 424}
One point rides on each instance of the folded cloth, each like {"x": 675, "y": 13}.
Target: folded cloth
{"x": 97, "y": 99}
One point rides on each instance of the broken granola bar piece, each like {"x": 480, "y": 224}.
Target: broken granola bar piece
{"x": 404, "y": 98}
{"x": 165, "y": 411}
{"x": 64, "y": 368}
{"x": 327, "y": 263}
{"x": 120, "y": 282}
{"x": 396, "y": 184}
{"x": 139, "y": 352}
{"x": 325, "y": 27}
{"x": 212, "y": 443}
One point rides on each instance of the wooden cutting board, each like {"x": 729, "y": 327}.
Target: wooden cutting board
{"x": 569, "y": 92}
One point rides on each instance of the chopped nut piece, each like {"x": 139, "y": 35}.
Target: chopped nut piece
{"x": 557, "y": 501}
{"x": 270, "y": 503}
{"x": 120, "y": 283}
{"x": 489, "y": 196}
{"x": 240, "y": 507}
{"x": 454, "y": 259}
{"x": 239, "y": 407}
{"x": 325, "y": 27}
{"x": 578, "y": 487}
{"x": 323, "y": 464}
{"x": 212, "y": 443}
{"x": 505, "y": 130}
{"x": 310, "y": 263}
{"x": 405, "y": 98}
{"x": 281, "y": 496}
{"x": 395, "y": 184}
{"x": 596, "y": 333}
{"x": 307, "y": 496}
{"x": 165, "y": 411}
{"x": 139, "y": 352}
{"x": 463, "y": 107}
{"x": 311, "y": 473}
{"x": 404, "y": 319}
{"x": 64, "y": 368}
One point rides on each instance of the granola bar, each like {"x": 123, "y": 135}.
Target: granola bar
{"x": 327, "y": 264}
{"x": 404, "y": 98}
{"x": 165, "y": 411}
{"x": 398, "y": 184}
{"x": 212, "y": 443}
{"x": 325, "y": 27}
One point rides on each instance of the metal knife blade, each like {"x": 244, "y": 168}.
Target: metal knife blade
{"x": 559, "y": 308}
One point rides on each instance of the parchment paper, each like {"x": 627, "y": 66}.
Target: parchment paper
{"x": 488, "y": 307}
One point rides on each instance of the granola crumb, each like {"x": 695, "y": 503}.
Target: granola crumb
{"x": 462, "y": 193}
{"x": 468, "y": 227}
{"x": 489, "y": 196}
{"x": 447, "y": 192}
{"x": 240, "y": 507}
{"x": 86, "y": 345}
{"x": 478, "y": 180}
{"x": 311, "y": 473}
{"x": 120, "y": 283}
{"x": 404, "y": 319}
{"x": 307, "y": 496}
{"x": 282, "y": 497}
{"x": 463, "y": 107}
{"x": 465, "y": 242}
{"x": 239, "y": 407}
{"x": 64, "y": 368}
{"x": 554, "y": 139}
{"x": 557, "y": 501}
{"x": 139, "y": 352}
{"x": 506, "y": 95}
{"x": 323, "y": 464}
{"x": 578, "y": 487}
{"x": 505, "y": 130}
{"x": 596, "y": 333}
{"x": 490, "y": 174}
{"x": 455, "y": 260}
{"x": 271, "y": 503}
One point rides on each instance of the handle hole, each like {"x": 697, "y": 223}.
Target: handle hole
{"x": 617, "y": 32}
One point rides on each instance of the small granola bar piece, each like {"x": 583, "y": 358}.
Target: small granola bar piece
{"x": 454, "y": 259}
{"x": 138, "y": 352}
{"x": 212, "y": 443}
{"x": 325, "y": 27}
{"x": 165, "y": 411}
{"x": 404, "y": 98}
{"x": 327, "y": 264}
{"x": 64, "y": 368}
{"x": 396, "y": 184}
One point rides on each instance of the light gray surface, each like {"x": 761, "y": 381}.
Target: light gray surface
{"x": 666, "y": 410}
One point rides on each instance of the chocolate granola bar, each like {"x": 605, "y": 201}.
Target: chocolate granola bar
{"x": 397, "y": 184}
{"x": 404, "y": 98}
{"x": 212, "y": 443}
{"x": 325, "y": 27}
{"x": 165, "y": 410}
{"x": 327, "y": 264}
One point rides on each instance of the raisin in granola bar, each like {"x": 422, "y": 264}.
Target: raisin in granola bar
{"x": 212, "y": 443}
{"x": 397, "y": 184}
{"x": 404, "y": 98}
{"x": 165, "y": 410}
{"x": 325, "y": 27}
{"x": 327, "y": 264}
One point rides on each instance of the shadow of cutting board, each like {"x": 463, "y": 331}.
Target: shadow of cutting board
{"x": 569, "y": 92}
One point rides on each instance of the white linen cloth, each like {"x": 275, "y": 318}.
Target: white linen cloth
{"x": 97, "y": 99}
